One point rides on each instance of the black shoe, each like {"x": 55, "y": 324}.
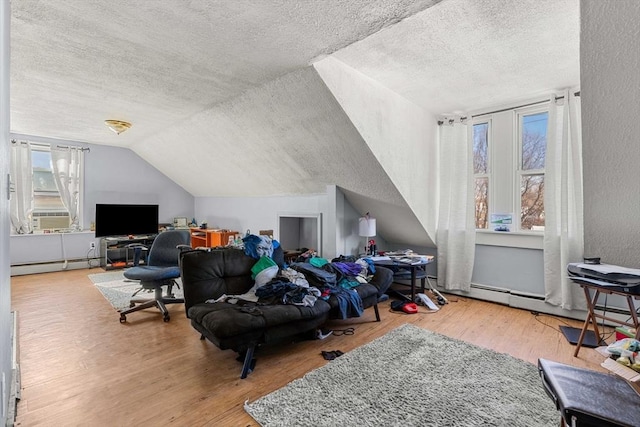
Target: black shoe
{"x": 328, "y": 355}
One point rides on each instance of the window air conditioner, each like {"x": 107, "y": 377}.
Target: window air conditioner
{"x": 50, "y": 222}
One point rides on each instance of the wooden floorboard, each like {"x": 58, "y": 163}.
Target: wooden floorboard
{"x": 80, "y": 366}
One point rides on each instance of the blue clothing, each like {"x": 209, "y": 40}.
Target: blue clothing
{"x": 372, "y": 268}
{"x": 257, "y": 246}
{"x": 348, "y": 268}
{"x": 349, "y": 302}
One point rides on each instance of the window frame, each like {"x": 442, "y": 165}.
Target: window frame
{"x": 487, "y": 175}
{"x": 504, "y": 187}
{"x": 519, "y": 172}
{"x": 40, "y": 211}
{"x": 40, "y": 146}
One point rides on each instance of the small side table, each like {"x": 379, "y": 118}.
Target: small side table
{"x": 414, "y": 272}
{"x": 593, "y": 284}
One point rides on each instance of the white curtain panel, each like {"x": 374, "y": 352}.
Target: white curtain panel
{"x": 563, "y": 203}
{"x": 67, "y": 167}
{"x": 456, "y": 234}
{"x": 22, "y": 188}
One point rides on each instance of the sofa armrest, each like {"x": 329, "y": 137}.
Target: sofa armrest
{"x": 382, "y": 279}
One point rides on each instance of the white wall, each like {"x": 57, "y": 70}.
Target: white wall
{"x": 400, "y": 134}
{"x": 5, "y": 284}
{"x": 339, "y": 219}
{"x": 610, "y": 93}
{"x": 253, "y": 214}
{"x": 112, "y": 175}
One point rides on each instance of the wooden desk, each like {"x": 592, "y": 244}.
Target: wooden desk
{"x": 210, "y": 238}
{"x": 593, "y": 284}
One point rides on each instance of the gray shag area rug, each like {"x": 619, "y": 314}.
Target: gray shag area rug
{"x": 118, "y": 290}
{"x": 412, "y": 377}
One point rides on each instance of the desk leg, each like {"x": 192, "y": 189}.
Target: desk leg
{"x": 591, "y": 304}
{"x": 634, "y": 316}
{"x": 413, "y": 284}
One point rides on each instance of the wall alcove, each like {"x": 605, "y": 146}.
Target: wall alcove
{"x": 297, "y": 231}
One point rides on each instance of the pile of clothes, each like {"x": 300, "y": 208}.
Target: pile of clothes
{"x": 302, "y": 283}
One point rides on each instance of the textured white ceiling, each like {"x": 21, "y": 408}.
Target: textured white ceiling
{"x": 463, "y": 55}
{"x": 156, "y": 62}
{"x": 214, "y": 86}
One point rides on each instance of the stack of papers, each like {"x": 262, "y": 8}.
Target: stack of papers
{"x": 407, "y": 260}
{"x": 406, "y": 257}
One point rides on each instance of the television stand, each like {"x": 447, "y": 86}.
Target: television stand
{"x": 115, "y": 252}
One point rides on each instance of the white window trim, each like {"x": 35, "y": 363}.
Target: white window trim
{"x": 529, "y": 239}
{"x": 518, "y": 171}
{"x": 487, "y": 120}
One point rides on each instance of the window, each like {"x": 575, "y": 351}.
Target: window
{"x": 481, "y": 173}
{"x": 49, "y": 211}
{"x": 46, "y": 186}
{"x": 532, "y": 147}
{"x": 509, "y": 149}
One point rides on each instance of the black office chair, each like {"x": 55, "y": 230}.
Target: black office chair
{"x": 161, "y": 270}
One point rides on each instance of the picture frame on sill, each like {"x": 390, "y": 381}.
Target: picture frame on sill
{"x": 501, "y": 222}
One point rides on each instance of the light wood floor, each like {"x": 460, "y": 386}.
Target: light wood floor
{"x": 81, "y": 367}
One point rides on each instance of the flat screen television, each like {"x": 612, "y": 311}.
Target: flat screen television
{"x": 125, "y": 220}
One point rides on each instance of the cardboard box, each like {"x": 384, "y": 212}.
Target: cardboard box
{"x": 628, "y": 374}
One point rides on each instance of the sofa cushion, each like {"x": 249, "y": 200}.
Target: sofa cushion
{"x": 225, "y": 320}
{"x": 210, "y": 274}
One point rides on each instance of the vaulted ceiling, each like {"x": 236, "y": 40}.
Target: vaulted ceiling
{"x": 262, "y": 85}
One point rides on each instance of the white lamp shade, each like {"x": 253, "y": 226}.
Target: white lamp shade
{"x": 367, "y": 227}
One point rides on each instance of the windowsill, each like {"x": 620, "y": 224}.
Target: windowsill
{"x": 55, "y": 233}
{"x": 513, "y": 239}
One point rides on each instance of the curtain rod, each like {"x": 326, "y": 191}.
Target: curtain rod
{"x": 440, "y": 122}
{"x": 43, "y": 144}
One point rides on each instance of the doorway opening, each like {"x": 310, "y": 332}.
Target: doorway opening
{"x": 297, "y": 232}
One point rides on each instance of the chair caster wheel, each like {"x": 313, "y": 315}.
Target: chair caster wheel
{"x": 123, "y": 318}
{"x": 166, "y": 318}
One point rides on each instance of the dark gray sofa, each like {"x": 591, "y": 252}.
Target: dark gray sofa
{"x": 210, "y": 274}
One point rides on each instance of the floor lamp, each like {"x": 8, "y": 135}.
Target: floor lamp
{"x": 367, "y": 228}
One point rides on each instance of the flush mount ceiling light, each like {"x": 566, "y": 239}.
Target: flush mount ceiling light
{"x": 118, "y": 126}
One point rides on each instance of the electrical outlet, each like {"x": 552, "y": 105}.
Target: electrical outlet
{"x": 92, "y": 245}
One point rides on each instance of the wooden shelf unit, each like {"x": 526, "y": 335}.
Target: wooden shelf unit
{"x": 210, "y": 238}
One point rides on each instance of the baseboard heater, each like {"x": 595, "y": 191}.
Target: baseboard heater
{"x": 534, "y": 302}
{"x": 51, "y": 266}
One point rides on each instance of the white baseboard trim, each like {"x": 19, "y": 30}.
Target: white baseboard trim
{"x": 49, "y": 267}
{"x": 533, "y": 302}
{"x": 14, "y": 385}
